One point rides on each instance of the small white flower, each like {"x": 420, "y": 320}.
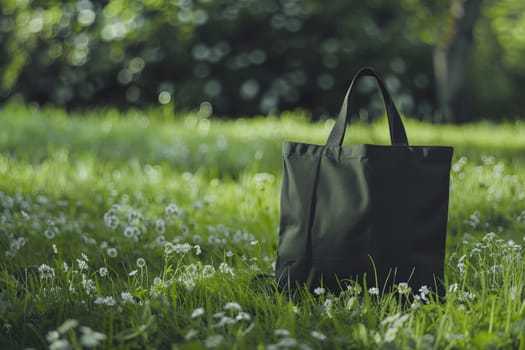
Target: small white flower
{"x": 354, "y": 290}
{"x": 197, "y": 249}
{"x": 55, "y": 249}
{"x": 160, "y": 226}
{"x": 103, "y": 272}
{"x": 254, "y": 242}
{"x": 52, "y": 336}
{"x": 112, "y": 252}
{"x": 90, "y": 338}
{"x": 403, "y": 288}
{"x": 127, "y": 297}
{"x": 197, "y": 312}
{"x": 107, "y": 301}
{"x": 416, "y": 303}
{"x": 208, "y": 271}
{"x": 133, "y": 273}
{"x": 318, "y": 335}
{"x": 287, "y": 343}
{"x": 453, "y": 288}
{"x": 172, "y": 209}
{"x": 243, "y": 316}
{"x": 213, "y": 341}
{"x": 224, "y": 268}
{"x": 111, "y": 220}
{"x": 328, "y": 308}
{"x": 373, "y": 291}
{"x": 68, "y": 325}
{"x": 191, "y": 334}
{"x": 319, "y": 291}
{"x": 281, "y": 333}
{"x": 233, "y": 306}
{"x": 424, "y": 291}
{"x": 141, "y": 262}
{"x": 229, "y": 253}
{"x": 168, "y": 248}
{"x": 60, "y": 344}
{"x": 182, "y": 248}
{"x": 390, "y": 334}
{"x": 46, "y": 272}
{"x": 82, "y": 264}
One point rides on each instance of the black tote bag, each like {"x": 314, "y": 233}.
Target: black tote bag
{"x": 372, "y": 213}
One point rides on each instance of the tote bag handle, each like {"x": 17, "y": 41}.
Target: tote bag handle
{"x": 398, "y": 135}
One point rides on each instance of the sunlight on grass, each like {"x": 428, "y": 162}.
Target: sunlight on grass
{"x": 149, "y": 230}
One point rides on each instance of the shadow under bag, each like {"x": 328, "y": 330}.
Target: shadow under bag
{"x": 372, "y": 213}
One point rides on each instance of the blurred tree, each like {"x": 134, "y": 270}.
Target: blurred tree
{"x": 450, "y": 61}
{"x": 249, "y": 56}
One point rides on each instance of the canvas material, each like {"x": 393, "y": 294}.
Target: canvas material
{"x": 363, "y": 210}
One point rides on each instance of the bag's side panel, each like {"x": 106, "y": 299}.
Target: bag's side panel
{"x": 341, "y": 226}
{"x": 409, "y": 190}
{"x": 293, "y": 258}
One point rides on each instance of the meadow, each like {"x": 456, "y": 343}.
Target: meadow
{"x": 149, "y": 230}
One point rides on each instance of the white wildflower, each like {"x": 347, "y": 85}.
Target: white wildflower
{"x": 160, "y": 226}
{"x": 168, "y": 248}
{"x": 318, "y": 335}
{"x": 453, "y": 288}
{"x": 403, "y": 288}
{"x": 224, "y": 268}
{"x": 103, "y": 272}
{"x": 172, "y": 209}
{"x": 354, "y": 290}
{"x": 373, "y": 291}
{"x": 127, "y": 297}
{"x": 107, "y": 301}
{"x": 192, "y": 333}
{"x": 197, "y": 249}
{"x": 112, "y": 252}
{"x": 182, "y": 248}
{"x": 60, "y": 344}
{"x": 243, "y": 316}
{"x": 225, "y": 321}
{"x": 213, "y": 341}
{"x": 68, "y": 325}
{"x": 197, "y": 312}
{"x": 424, "y": 291}
{"x": 328, "y": 308}
{"x": 82, "y": 264}
{"x": 319, "y": 291}
{"x": 111, "y": 220}
{"x": 46, "y": 272}
{"x": 233, "y": 306}
{"x": 208, "y": 271}
{"x": 390, "y": 334}
{"x": 90, "y": 338}
{"x": 287, "y": 343}
{"x": 281, "y": 333}
{"x": 52, "y": 336}
{"x": 141, "y": 262}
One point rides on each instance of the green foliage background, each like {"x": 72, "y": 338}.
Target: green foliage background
{"x": 249, "y": 56}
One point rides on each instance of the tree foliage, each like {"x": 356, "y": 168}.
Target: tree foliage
{"x": 244, "y": 56}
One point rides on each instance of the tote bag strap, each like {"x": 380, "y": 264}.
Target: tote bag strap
{"x": 398, "y": 135}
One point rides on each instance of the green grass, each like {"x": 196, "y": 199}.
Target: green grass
{"x": 151, "y": 230}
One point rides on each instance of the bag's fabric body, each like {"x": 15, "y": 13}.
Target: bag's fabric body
{"x": 363, "y": 212}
